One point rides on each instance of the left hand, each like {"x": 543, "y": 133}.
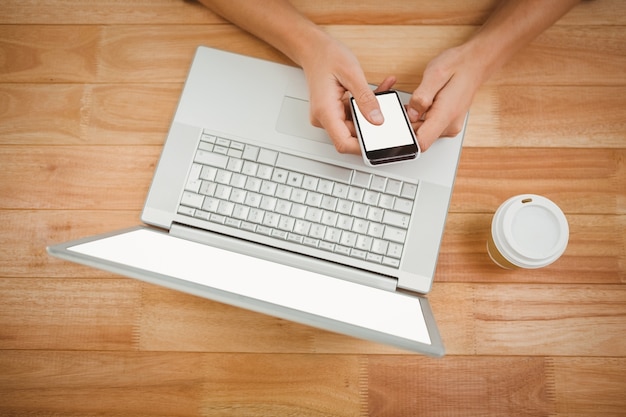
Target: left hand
{"x": 439, "y": 105}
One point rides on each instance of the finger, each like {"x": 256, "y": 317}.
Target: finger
{"x": 343, "y": 140}
{"x": 417, "y": 125}
{"x": 455, "y": 127}
{"x": 429, "y": 131}
{"x": 435, "y": 125}
{"x": 338, "y": 130}
{"x": 424, "y": 95}
{"x": 386, "y": 85}
{"x": 420, "y": 102}
{"x": 365, "y": 98}
{"x": 351, "y": 127}
{"x": 368, "y": 106}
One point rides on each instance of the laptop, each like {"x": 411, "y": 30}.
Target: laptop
{"x": 252, "y": 206}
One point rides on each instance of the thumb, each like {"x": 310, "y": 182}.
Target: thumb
{"x": 368, "y": 105}
{"x": 430, "y": 131}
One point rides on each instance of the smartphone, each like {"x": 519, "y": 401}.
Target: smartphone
{"x": 394, "y": 140}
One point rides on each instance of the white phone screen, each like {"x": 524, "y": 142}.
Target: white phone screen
{"x": 395, "y": 131}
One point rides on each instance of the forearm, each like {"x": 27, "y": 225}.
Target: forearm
{"x": 513, "y": 25}
{"x": 276, "y": 22}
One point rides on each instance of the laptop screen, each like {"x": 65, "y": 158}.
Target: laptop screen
{"x": 153, "y": 253}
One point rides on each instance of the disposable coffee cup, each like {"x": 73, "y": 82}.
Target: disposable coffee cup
{"x": 527, "y": 231}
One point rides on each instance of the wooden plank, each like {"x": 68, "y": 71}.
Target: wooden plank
{"x": 49, "y": 382}
{"x": 171, "y": 384}
{"x": 552, "y": 59}
{"x": 41, "y": 113}
{"x": 28, "y": 233}
{"x": 98, "y": 114}
{"x": 609, "y": 12}
{"x": 446, "y": 12}
{"x": 299, "y": 385}
{"x": 190, "y": 384}
{"x": 81, "y": 53}
{"x": 572, "y": 320}
{"x": 591, "y": 55}
{"x": 49, "y": 53}
{"x": 589, "y": 386}
{"x": 547, "y": 116}
{"x": 98, "y": 177}
{"x": 124, "y": 114}
{"x": 163, "y": 53}
{"x": 580, "y": 181}
{"x": 505, "y": 386}
{"x": 83, "y": 314}
{"x": 75, "y": 12}
{"x": 511, "y": 386}
{"x": 531, "y": 319}
{"x": 130, "y": 114}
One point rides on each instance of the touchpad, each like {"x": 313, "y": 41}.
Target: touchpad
{"x": 294, "y": 120}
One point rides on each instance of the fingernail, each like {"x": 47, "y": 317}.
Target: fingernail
{"x": 413, "y": 114}
{"x": 376, "y": 117}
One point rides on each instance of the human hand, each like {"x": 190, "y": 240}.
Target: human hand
{"x": 333, "y": 73}
{"x": 439, "y": 105}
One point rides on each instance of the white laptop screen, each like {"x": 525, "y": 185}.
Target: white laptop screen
{"x": 158, "y": 253}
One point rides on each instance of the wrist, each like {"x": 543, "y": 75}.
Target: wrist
{"x": 485, "y": 56}
{"x": 307, "y": 44}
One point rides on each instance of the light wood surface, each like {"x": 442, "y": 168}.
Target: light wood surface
{"x": 87, "y": 92}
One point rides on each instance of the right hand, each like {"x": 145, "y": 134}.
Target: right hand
{"x": 333, "y": 72}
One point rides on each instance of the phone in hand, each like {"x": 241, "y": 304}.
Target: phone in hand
{"x": 394, "y": 140}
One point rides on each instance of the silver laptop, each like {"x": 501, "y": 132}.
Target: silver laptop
{"x": 252, "y": 206}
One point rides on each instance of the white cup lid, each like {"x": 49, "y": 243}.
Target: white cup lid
{"x": 531, "y": 231}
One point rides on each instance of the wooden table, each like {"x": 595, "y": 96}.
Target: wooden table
{"x": 87, "y": 92}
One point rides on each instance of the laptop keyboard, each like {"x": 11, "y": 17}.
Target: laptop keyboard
{"x": 311, "y": 204}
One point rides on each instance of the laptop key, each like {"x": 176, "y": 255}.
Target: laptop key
{"x": 409, "y": 190}
{"x": 250, "y": 152}
{"x": 394, "y": 250}
{"x": 396, "y": 219}
{"x": 210, "y": 158}
{"x": 394, "y": 234}
{"x": 192, "y": 199}
{"x": 319, "y": 169}
{"x": 267, "y": 157}
{"x": 403, "y": 205}
{"x": 391, "y": 262}
{"x": 361, "y": 179}
{"x": 372, "y": 257}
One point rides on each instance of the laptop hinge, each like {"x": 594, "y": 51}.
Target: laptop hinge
{"x": 285, "y": 257}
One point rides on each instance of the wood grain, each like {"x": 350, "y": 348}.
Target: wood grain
{"x": 87, "y": 93}
{"x": 150, "y": 53}
{"x": 399, "y": 12}
{"x": 190, "y": 384}
{"x": 121, "y": 314}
